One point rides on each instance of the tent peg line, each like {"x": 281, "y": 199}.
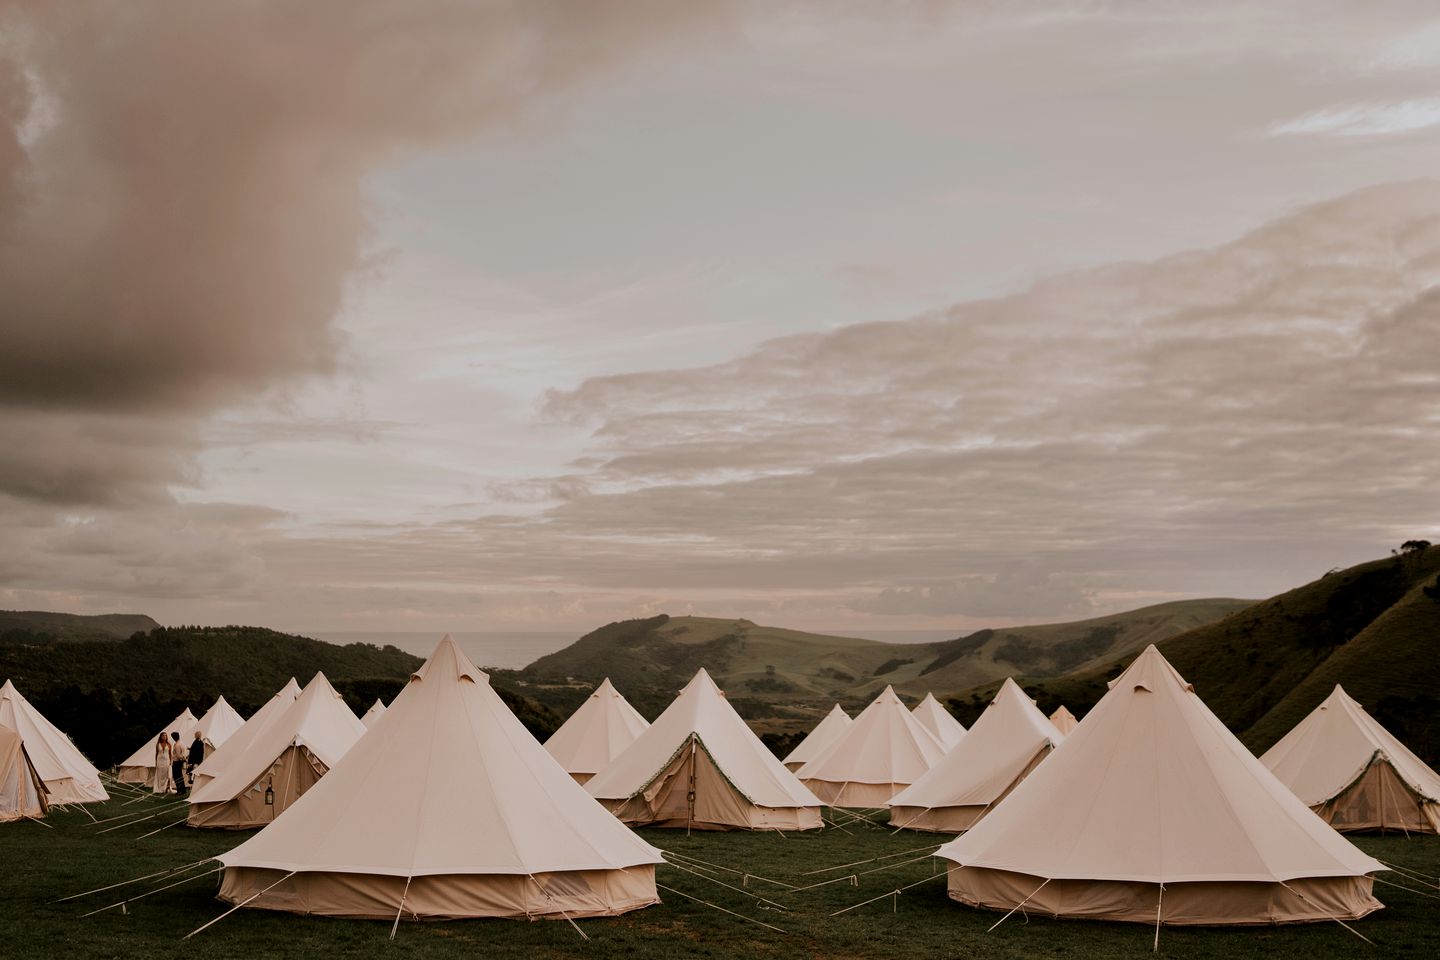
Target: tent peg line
{"x": 1336, "y": 919}
{"x": 693, "y": 861}
{"x": 728, "y": 886}
{"x": 1018, "y": 906}
{"x": 1159, "y": 905}
{"x": 1412, "y": 874}
{"x": 123, "y": 904}
{"x": 122, "y": 883}
{"x": 1422, "y": 893}
{"x": 854, "y": 877}
{"x": 166, "y": 827}
{"x": 131, "y": 823}
{"x": 720, "y": 908}
{"x": 42, "y": 823}
{"x": 583, "y": 934}
{"x": 239, "y": 905}
{"x": 405, "y": 893}
{"x": 169, "y": 806}
{"x": 892, "y": 893}
{"x": 860, "y": 863}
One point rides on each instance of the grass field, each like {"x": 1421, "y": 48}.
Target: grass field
{"x": 40, "y": 865}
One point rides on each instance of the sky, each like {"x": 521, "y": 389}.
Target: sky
{"x": 857, "y": 317}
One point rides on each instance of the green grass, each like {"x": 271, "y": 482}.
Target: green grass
{"x": 40, "y": 865}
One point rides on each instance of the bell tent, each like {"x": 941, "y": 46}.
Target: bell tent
{"x": 939, "y": 721}
{"x": 22, "y": 792}
{"x": 219, "y": 724}
{"x": 1353, "y": 772}
{"x": 815, "y": 742}
{"x": 597, "y": 732}
{"x": 240, "y": 741}
{"x": 139, "y": 767}
{"x": 67, "y": 775}
{"x": 699, "y": 766}
{"x": 1064, "y": 720}
{"x": 450, "y": 810}
{"x": 884, "y": 750}
{"x": 1009, "y": 740}
{"x": 376, "y": 711}
{"x": 1153, "y": 812}
{"x": 283, "y": 762}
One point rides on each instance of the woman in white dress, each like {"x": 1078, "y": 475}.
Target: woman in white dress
{"x": 161, "y": 781}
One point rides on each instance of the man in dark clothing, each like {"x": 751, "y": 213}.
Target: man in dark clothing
{"x": 197, "y": 755}
{"x": 177, "y": 763}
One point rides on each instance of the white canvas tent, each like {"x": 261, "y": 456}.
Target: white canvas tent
{"x": 284, "y": 761}
{"x": 68, "y": 776}
{"x": 1353, "y": 772}
{"x": 239, "y": 741}
{"x": 1009, "y": 740}
{"x": 219, "y": 724}
{"x": 22, "y": 792}
{"x": 1153, "y": 812}
{"x": 597, "y": 732}
{"x": 451, "y": 809}
{"x": 817, "y": 740}
{"x": 139, "y": 767}
{"x": 939, "y": 721}
{"x": 883, "y": 751}
{"x": 376, "y": 711}
{"x": 1064, "y": 720}
{"x": 699, "y": 766}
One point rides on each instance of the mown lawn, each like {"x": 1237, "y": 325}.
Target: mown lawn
{"x": 40, "y": 865}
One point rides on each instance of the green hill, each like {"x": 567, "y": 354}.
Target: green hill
{"x": 41, "y": 624}
{"x": 785, "y": 678}
{"x": 1371, "y": 628}
{"x": 111, "y": 695}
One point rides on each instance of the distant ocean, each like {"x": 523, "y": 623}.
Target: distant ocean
{"x": 511, "y": 651}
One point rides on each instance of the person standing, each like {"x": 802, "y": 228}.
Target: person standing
{"x": 160, "y": 781}
{"x": 177, "y": 763}
{"x": 196, "y": 755}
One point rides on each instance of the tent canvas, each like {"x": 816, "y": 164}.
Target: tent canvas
{"x": 284, "y": 761}
{"x": 699, "y": 766}
{"x": 1354, "y": 773}
{"x": 1009, "y": 741}
{"x": 239, "y": 741}
{"x": 1064, "y": 720}
{"x": 1153, "y": 812}
{"x": 219, "y": 724}
{"x": 939, "y": 721}
{"x": 22, "y": 792}
{"x": 599, "y": 730}
{"x": 377, "y": 709}
{"x": 884, "y": 750}
{"x": 139, "y": 767}
{"x": 68, "y": 776}
{"x": 450, "y": 809}
{"x": 816, "y": 741}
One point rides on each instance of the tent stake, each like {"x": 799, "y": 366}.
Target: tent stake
{"x": 123, "y": 904}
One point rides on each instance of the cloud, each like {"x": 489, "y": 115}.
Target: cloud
{"x": 1366, "y": 119}
{"x": 183, "y": 190}
{"x": 1038, "y": 593}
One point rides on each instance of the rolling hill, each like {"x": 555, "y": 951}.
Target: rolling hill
{"x": 40, "y": 624}
{"x": 787, "y": 677}
{"x": 1372, "y": 628}
{"x": 111, "y": 694}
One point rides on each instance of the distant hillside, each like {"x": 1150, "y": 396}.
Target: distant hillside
{"x": 74, "y": 626}
{"x": 1371, "y": 628}
{"x": 788, "y": 677}
{"x": 110, "y": 695}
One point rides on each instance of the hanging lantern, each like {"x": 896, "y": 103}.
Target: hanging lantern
{"x": 269, "y": 796}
